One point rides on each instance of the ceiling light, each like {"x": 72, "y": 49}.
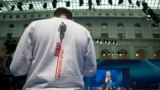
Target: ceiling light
{"x": 80, "y": 2}
{"x": 90, "y": 4}
{"x": 110, "y": 2}
{"x": 54, "y": 3}
{"x": 130, "y": 1}
{"x": 45, "y": 5}
{"x": 68, "y": 4}
{"x": 30, "y": 6}
{"x": 12, "y": 7}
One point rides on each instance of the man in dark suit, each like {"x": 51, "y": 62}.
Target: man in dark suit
{"x": 106, "y": 80}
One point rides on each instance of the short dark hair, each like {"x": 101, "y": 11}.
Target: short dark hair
{"x": 63, "y": 11}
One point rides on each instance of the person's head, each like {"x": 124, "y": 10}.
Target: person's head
{"x": 63, "y": 13}
{"x": 108, "y": 74}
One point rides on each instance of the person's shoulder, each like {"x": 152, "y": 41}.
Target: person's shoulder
{"x": 40, "y": 22}
{"x": 80, "y": 26}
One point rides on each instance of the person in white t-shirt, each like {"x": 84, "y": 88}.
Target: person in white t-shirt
{"x": 55, "y": 54}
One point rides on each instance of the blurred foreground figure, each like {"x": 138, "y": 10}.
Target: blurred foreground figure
{"x": 55, "y": 54}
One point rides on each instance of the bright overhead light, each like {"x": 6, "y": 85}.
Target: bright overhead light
{"x": 138, "y": 3}
{"x": 1, "y": 5}
{"x": 98, "y": 2}
{"x": 110, "y": 2}
{"x": 120, "y": 2}
{"x": 19, "y": 5}
{"x": 130, "y": 1}
{"x": 90, "y": 4}
{"x": 12, "y": 7}
{"x": 45, "y": 5}
{"x": 30, "y": 6}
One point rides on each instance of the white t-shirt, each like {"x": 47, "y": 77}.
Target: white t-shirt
{"x": 35, "y": 55}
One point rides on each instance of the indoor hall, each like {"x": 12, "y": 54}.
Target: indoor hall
{"x": 125, "y": 33}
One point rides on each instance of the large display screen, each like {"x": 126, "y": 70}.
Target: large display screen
{"x": 109, "y": 77}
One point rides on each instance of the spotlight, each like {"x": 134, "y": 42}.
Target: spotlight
{"x": 12, "y": 7}
{"x": 110, "y": 2}
{"x": 20, "y": 6}
{"x": 130, "y": 1}
{"x": 103, "y": 54}
{"x": 137, "y": 54}
{"x": 0, "y": 9}
{"x": 120, "y": 2}
{"x": 30, "y": 6}
{"x": 54, "y": 3}
{"x": 20, "y": 3}
{"x": 97, "y": 41}
{"x": 98, "y": 2}
{"x": 138, "y": 3}
{"x": 67, "y": 3}
{"x": 148, "y": 17}
{"x": 152, "y": 14}
{"x": 80, "y": 2}
{"x": 145, "y": 7}
{"x": 113, "y": 42}
{"x": 144, "y": 4}
{"x": 90, "y": 4}
{"x": 104, "y": 41}
{"x": 1, "y": 5}
{"x": 100, "y": 42}
{"x": 45, "y": 5}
